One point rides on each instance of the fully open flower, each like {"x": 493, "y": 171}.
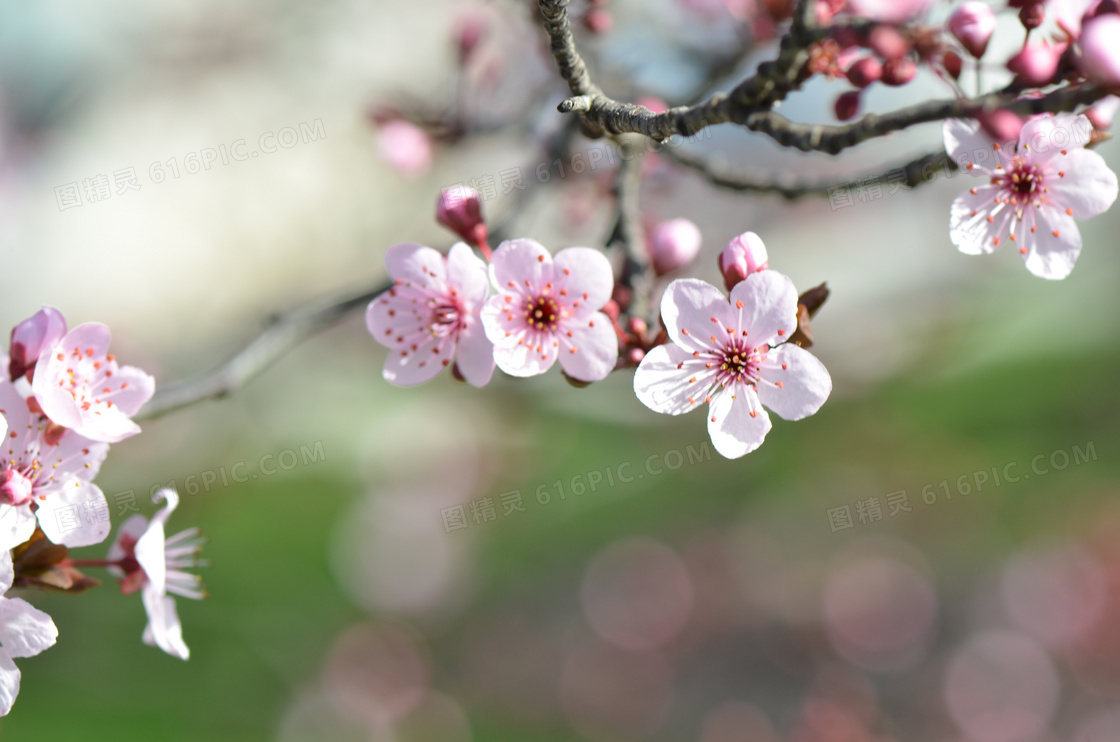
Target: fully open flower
{"x": 430, "y": 316}
{"x": 25, "y": 631}
{"x": 733, "y": 356}
{"x": 79, "y": 386}
{"x": 53, "y": 475}
{"x": 149, "y": 562}
{"x": 1034, "y": 189}
{"x": 548, "y": 308}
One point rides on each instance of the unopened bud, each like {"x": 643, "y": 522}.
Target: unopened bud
{"x": 847, "y": 105}
{"x": 973, "y": 25}
{"x": 865, "y": 71}
{"x": 899, "y": 71}
{"x": 743, "y": 256}
{"x": 460, "y": 209}
{"x": 673, "y": 244}
{"x": 888, "y": 42}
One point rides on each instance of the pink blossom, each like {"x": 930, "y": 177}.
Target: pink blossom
{"x": 1100, "y": 50}
{"x": 973, "y": 24}
{"x": 56, "y": 477}
{"x": 145, "y": 560}
{"x": 889, "y": 11}
{"x": 674, "y": 244}
{"x": 30, "y": 337}
{"x": 548, "y": 308}
{"x": 1032, "y": 191}
{"x": 405, "y": 147}
{"x": 744, "y": 255}
{"x": 431, "y": 315}
{"x": 1103, "y": 111}
{"x": 732, "y": 355}
{"x": 25, "y": 631}
{"x": 79, "y": 386}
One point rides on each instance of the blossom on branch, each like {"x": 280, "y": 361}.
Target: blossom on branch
{"x": 52, "y": 474}
{"x": 25, "y": 631}
{"x": 79, "y": 385}
{"x": 732, "y": 355}
{"x": 548, "y": 308}
{"x": 430, "y": 316}
{"x": 1036, "y": 188}
{"x": 147, "y": 561}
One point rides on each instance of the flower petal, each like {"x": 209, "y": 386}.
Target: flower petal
{"x": 1056, "y": 245}
{"x": 164, "y": 629}
{"x": 64, "y": 515}
{"x": 25, "y": 631}
{"x": 733, "y": 430}
{"x": 7, "y": 571}
{"x": 474, "y": 354}
{"x": 9, "y": 683}
{"x": 589, "y": 278}
{"x": 969, "y": 228}
{"x": 419, "y": 363}
{"x": 769, "y": 311}
{"x": 967, "y": 142}
{"x": 687, "y": 308}
{"x": 467, "y": 275}
{"x": 806, "y": 383}
{"x": 1089, "y": 186}
{"x": 590, "y": 354}
{"x": 16, "y": 525}
{"x": 416, "y": 264}
{"x": 518, "y": 261}
{"x": 534, "y": 355}
{"x": 1044, "y": 137}
{"x": 131, "y": 387}
{"x": 663, "y": 387}
{"x": 501, "y": 324}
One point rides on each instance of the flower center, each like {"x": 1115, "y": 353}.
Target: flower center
{"x": 446, "y": 317}
{"x": 740, "y": 363}
{"x": 1023, "y": 180}
{"x": 15, "y": 488}
{"x": 542, "y": 312}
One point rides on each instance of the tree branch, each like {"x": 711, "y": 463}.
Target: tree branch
{"x": 910, "y": 174}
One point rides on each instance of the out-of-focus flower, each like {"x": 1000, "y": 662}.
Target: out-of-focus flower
{"x": 1102, "y": 112}
{"x": 1100, "y": 50}
{"x": 1036, "y": 64}
{"x": 25, "y": 631}
{"x": 153, "y": 564}
{"x": 973, "y": 24}
{"x": 548, "y": 308}
{"x": 79, "y": 385}
{"x": 744, "y": 255}
{"x": 673, "y": 245}
{"x": 459, "y": 208}
{"x": 405, "y": 147}
{"x": 430, "y": 316}
{"x": 889, "y": 11}
{"x": 847, "y": 105}
{"x": 56, "y": 476}
{"x": 41, "y": 330}
{"x": 1032, "y": 195}
{"x": 727, "y": 354}
{"x": 865, "y": 71}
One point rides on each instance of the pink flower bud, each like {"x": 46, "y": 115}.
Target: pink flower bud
{"x": 1037, "y": 64}
{"x": 889, "y": 11}
{"x": 847, "y": 105}
{"x": 888, "y": 43}
{"x": 598, "y": 20}
{"x": 405, "y": 147}
{"x": 973, "y": 24}
{"x": 15, "y": 489}
{"x": 865, "y": 71}
{"x": 952, "y": 63}
{"x": 30, "y": 337}
{"x": 899, "y": 71}
{"x": 1100, "y": 49}
{"x": 1032, "y": 16}
{"x": 460, "y": 209}
{"x": 673, "y": 244}
{"x": 1102, "y": 113}
{"x": 637, "y": 326}
{"x": 743, "y": 256}
{"x": 1002, "y": 125}
{"x": 635, "y": 356}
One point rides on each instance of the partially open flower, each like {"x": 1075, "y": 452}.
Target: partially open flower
{"x": 41, "y": 330}
{"x": 459, "y": 208}
{"x": 743, "y": 256}
{"x": 973, "y": 24}
{"x": 147, "y": 561}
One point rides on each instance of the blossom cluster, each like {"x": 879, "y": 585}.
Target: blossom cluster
{"x": 528, "y": 309}
{"x": 64, "y": 399}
